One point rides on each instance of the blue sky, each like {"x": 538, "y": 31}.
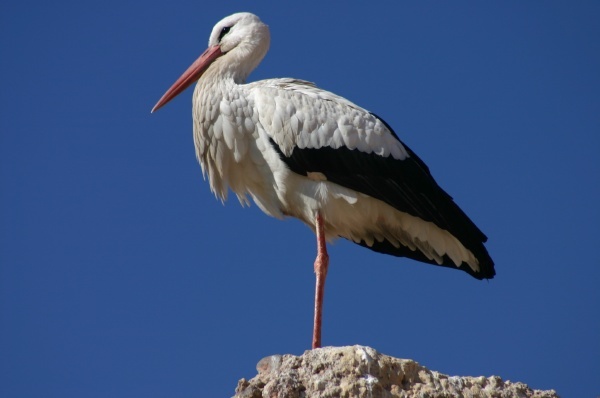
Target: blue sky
{"x": 122, "y": 276}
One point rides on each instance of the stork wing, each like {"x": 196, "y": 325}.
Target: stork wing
{"x": 316, "y": 131}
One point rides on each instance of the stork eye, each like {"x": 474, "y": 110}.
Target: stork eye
{"x": 224, "y": 31}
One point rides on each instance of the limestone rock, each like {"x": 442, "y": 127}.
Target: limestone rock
{"x": 359, "y": 371}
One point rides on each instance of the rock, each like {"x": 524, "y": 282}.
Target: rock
{"x": 359, "y": 371}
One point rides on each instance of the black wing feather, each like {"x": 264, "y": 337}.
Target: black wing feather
{"x": 407, "y": 185}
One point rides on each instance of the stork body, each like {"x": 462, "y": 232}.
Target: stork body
{"x": 303, "y": 152}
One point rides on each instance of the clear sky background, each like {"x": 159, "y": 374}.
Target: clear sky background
{"x": 122, "y": 276}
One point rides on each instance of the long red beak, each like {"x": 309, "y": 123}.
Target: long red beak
{"x": 191, "y": 75}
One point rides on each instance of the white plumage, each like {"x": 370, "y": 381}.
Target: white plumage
{"x": 300, "y": 151}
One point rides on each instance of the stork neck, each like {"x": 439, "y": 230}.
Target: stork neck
{"x": 218, "y": 84}
{"x": 236, "y": 64}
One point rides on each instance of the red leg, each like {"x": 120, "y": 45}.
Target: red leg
{"x": 321, "y": 264}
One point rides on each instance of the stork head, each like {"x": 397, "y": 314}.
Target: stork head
{"x": 236, "y": 46}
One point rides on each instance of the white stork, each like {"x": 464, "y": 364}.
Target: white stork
{"x": 304, "y": 152}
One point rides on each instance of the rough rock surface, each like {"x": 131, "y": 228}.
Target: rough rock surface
{"x": 359, "y": 371}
